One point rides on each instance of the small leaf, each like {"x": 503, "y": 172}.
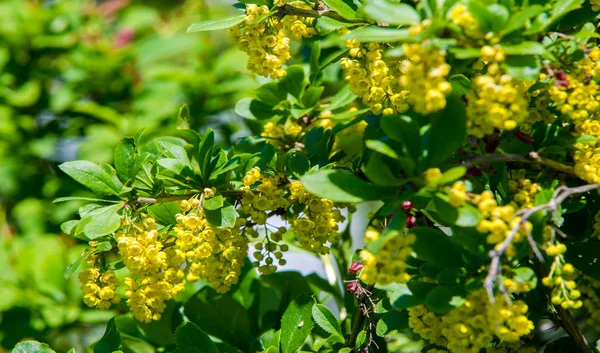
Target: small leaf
{"x": 110, "y": 341}
{"x": 340, "y": 187}
{"x": 380, "y": 34}
{"x": 393, "y": 320}
{"x": 101, "y": 221}
{"x": 92, "y": 176}
{"x": 327, "y": 321}
{"x": 443, "y": 298}
{"x": 223, "y": 217}
{"x": 32, "y": 347}
{"x": 124, "y": 158}
{"x": 191, "y": 339}
{"x": 221, "y": 23}
{"x": 391, "y": 13}
{"x": 382, "y": 147}
{"x": 436, "y": 248}
{"x": 524, "y": 48}
{"x": 213, "y": 203}
{"x": 461, "y": 85}
{"x": 298, "y": 163}
{"x": 344, "y": 8}
{"x": 296, "y": 323}
{"x": 448, "y": 131}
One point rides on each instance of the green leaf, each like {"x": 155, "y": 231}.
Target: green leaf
{"x": 416, "y": 294}
{"x": 448, "y": 132}
{"x": 404, "y": 130}
{"x": 466, "y": 53}
{"x": 382, "y": 147}
{"x": 340, "y": 187}
{"x": 298, "y": 164}
{"x": 254, "y": 109}
{"x": 344, "y": 8}
{"x": 392, "y": 321}
{"x": 79, "y": 198}
{"x": 110, "y": 341}
{"x": 223, "y": 217}
{"x": 380, "y": 34}
{"x": 32, "y": 347}
{"x": 92, "y": 176}
{"x": 221, "y": 23}
{"x": 124, "y": 158}
{"x": 205, "y": 151}
{"x": 327, "y": 321}
{"x": 213, "y": 203}
{"x": 461, "y": 85}
{"x": 75, "y": 265}
{"x": 219, "y": 315}
{"x": 520, "y": 18}
{"x": 100, "y": 221}
{"x": 391, "y": 13}
{"x": 436, "y": 248}
{"x": 164, "y": 213}
{"x": 191, "y": 339}
{"x": 25, "y": 96}
{"x": 443, "y": 298}
{"x": 522, "y": 66}
{"x": 524, "y": 48}
{"x": 465, "y": 216}
{"x": 296, "y": 323}
{"x": 293, "y": 82}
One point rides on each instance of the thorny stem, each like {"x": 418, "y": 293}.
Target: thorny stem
{"x": 360, "y": 316}
{"x": 531, "y": 157}
{"x": 564, "y": 317}
{"x": 559, "y": 196}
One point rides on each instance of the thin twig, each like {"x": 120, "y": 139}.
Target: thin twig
{"x": 531, "y": 157}
{"x": 559, "y": 196}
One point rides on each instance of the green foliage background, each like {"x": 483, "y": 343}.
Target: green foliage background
{"x": 75, "y": 78}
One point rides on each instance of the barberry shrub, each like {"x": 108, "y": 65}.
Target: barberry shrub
{"x": 474, "y": 127}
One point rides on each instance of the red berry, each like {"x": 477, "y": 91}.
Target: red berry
{"x": 352, "y": 287}
{"x": 411, "y": 221}
{"x": 491, "y": 146}
{"x": 355, "y": 267}
{"x": 407, "y": 206}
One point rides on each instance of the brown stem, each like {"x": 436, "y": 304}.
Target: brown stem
{"x": 566, "y": 320}
{"x": 359, "y": 317}
{"x": 532, "y": 157}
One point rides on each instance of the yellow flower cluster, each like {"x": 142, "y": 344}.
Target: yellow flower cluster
{"x": 523, "y": 190}
{"x": 539, "y": 109}
{"x": 497, "y": 101}
{"x": 282, "y": 136}
{"x": 98, "y": 288}
{"x": 576, "y": 95}
{"x": 267, "y": 42}
{"x": 595, "y": 5}
{"x": 473, "y": 325}
{"x": 458, "y": 194}
{"x": 314, "y": 227}
{"x": 497, "y": 221}
{"x": 389, "y": 264}
{"x": 214, "y": 254}
{"x": 560, "y": 279}
{"x": 156, "y": 273}
{"x": 424, "y": 74}
{"x": 374, "y": 78}
{"x": 591, "y": 301}
{"x": 460, "y": 16}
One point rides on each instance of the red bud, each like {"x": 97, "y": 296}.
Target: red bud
{"x": 355, "y": 267}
